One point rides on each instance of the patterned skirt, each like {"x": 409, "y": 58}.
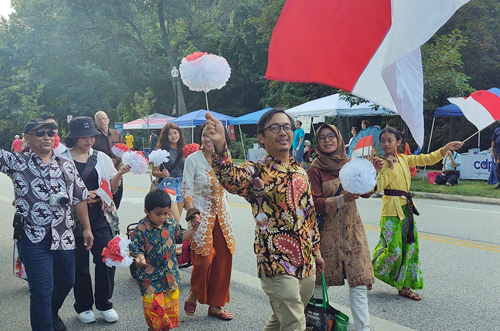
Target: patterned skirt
{"x": 395, "y": 261}
{"x": 161, "y": 310}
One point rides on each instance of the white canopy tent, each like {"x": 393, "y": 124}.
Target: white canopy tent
{"x": 333, "y": 105}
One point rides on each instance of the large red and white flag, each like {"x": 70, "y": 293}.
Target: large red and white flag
{"x": 370, "y": 48}
{"x": 481, "y": 108}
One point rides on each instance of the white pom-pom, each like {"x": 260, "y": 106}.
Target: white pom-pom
{"x": 207, "y": 72}
{"x": 158, "y": 157}
{"x": 358, "y": 176}
{"x": 137, "y": 162}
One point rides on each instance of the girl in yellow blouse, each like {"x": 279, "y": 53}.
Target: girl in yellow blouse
{"x": 395, "y": 259}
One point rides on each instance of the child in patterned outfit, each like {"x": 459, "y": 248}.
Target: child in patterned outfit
{"x": 153, "y": 246}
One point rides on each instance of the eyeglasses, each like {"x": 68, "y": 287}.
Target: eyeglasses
{"x": 41, "y": 133}
{"x": 329, "y": 136}
{"x": 275, "y": 128}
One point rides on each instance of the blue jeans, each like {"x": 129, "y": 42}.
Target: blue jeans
{"x": 173, "y": 183}
{"x": 51, "y": 275}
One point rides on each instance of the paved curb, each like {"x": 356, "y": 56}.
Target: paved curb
{"x": 459, "y": 198}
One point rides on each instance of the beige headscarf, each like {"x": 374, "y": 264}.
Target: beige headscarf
{"x": 331, "y": 162}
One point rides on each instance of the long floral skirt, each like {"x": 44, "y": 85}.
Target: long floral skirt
{"x": 395, "y": 261}
{"x": 161, "y": 310}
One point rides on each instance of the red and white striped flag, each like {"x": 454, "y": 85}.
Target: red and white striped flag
{"x": 370, "y": 48}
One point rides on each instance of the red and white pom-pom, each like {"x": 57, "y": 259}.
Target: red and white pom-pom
{"x": 158, "y": 156}
{"x": 190, "y": 149}
{"x": 119, "y": 149}
{"x": 117, "y": 253}
{"x": 204, "y": 72}
{"x": 137, "y": 162}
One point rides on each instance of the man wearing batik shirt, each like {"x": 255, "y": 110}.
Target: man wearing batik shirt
{"x": 46, "y": 186}
{"x": 286, "y": 234}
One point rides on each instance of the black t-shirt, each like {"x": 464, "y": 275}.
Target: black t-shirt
{"x": 92, "y": 180}
{"x": 179, "y": 167}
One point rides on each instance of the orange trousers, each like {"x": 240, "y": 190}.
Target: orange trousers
{"x": 211, "y": 274}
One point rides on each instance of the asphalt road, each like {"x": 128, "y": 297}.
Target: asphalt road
{"x": 460, "y": 255}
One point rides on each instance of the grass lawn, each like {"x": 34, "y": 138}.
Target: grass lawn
{"x": 477, "y": 188}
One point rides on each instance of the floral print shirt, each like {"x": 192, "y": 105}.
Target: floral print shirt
{"x": 158, "y": 246}
{"x": 286, "y": 234}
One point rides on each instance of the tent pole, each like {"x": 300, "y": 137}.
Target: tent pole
{"x": 429, "y": 147}
{"x": 242, "y": 142}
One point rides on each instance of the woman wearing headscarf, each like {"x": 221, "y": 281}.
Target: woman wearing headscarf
{"x": 344, "y": 246}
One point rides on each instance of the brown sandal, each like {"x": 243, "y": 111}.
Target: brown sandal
{"x": 189, "y": 308}
{"x": 407, "y": 293}
{"x": 223, "y": 315}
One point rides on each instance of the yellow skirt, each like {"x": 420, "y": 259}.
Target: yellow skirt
{"x": 161, "y": 310}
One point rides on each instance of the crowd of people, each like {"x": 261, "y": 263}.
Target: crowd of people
{"x": 306, "y": 223}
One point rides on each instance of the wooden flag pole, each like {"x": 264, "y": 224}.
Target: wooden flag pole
{"x": 470, "y": 136}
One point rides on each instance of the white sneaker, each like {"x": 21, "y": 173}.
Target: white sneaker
{"x": 109, "y": 315}
{"x": 87, "y": 316}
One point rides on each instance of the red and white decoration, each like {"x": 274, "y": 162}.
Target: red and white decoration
{"x": 203, "y": 72}
{"x": 137, "y": 162}
{"x": 120, "y": 149}
{"x": 190, "y": 149}
{"x": 117, "y": 253}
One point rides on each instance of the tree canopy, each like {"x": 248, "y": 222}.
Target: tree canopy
{"x": 75, "y": 57}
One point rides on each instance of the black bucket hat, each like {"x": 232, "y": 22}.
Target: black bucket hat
{"x": 38, "y": 123}
{"x": 82, "y": 126}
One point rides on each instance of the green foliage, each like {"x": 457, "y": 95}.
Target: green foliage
{"x": 236, "y": 147}
{"x": 475, "y": 188}
{"x": 76, "y": 57}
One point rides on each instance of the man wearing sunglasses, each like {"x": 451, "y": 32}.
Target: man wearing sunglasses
{"x": 46, "y": 186}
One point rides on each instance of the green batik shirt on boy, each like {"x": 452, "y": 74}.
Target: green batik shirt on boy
{"x": 158, "y": 246}
{"x": 286, "y": 234}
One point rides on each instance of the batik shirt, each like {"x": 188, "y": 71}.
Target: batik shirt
{"x": 34, "y": 182}
{"x": 158, "y": 246}
{"x": 286, "y": 234}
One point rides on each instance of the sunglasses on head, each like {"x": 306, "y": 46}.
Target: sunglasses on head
{"x": 41, "y": 133}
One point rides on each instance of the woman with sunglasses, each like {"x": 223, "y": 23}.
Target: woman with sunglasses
{"x": 344, "y": 246}
{"x": 101, "y": 178}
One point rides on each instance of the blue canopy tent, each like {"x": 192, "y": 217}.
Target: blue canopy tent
{"x": 251, "y": 118}
{"x": 197, "y": 118}
{"x": 450, "y": 110}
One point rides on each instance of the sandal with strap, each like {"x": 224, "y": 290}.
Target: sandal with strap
{"x": 189, "y": 308}
{"x": 407, "y": 293}
{"x": 223, "y": 315}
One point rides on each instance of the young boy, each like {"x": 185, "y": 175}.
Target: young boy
{"x": 153, "y": 246}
